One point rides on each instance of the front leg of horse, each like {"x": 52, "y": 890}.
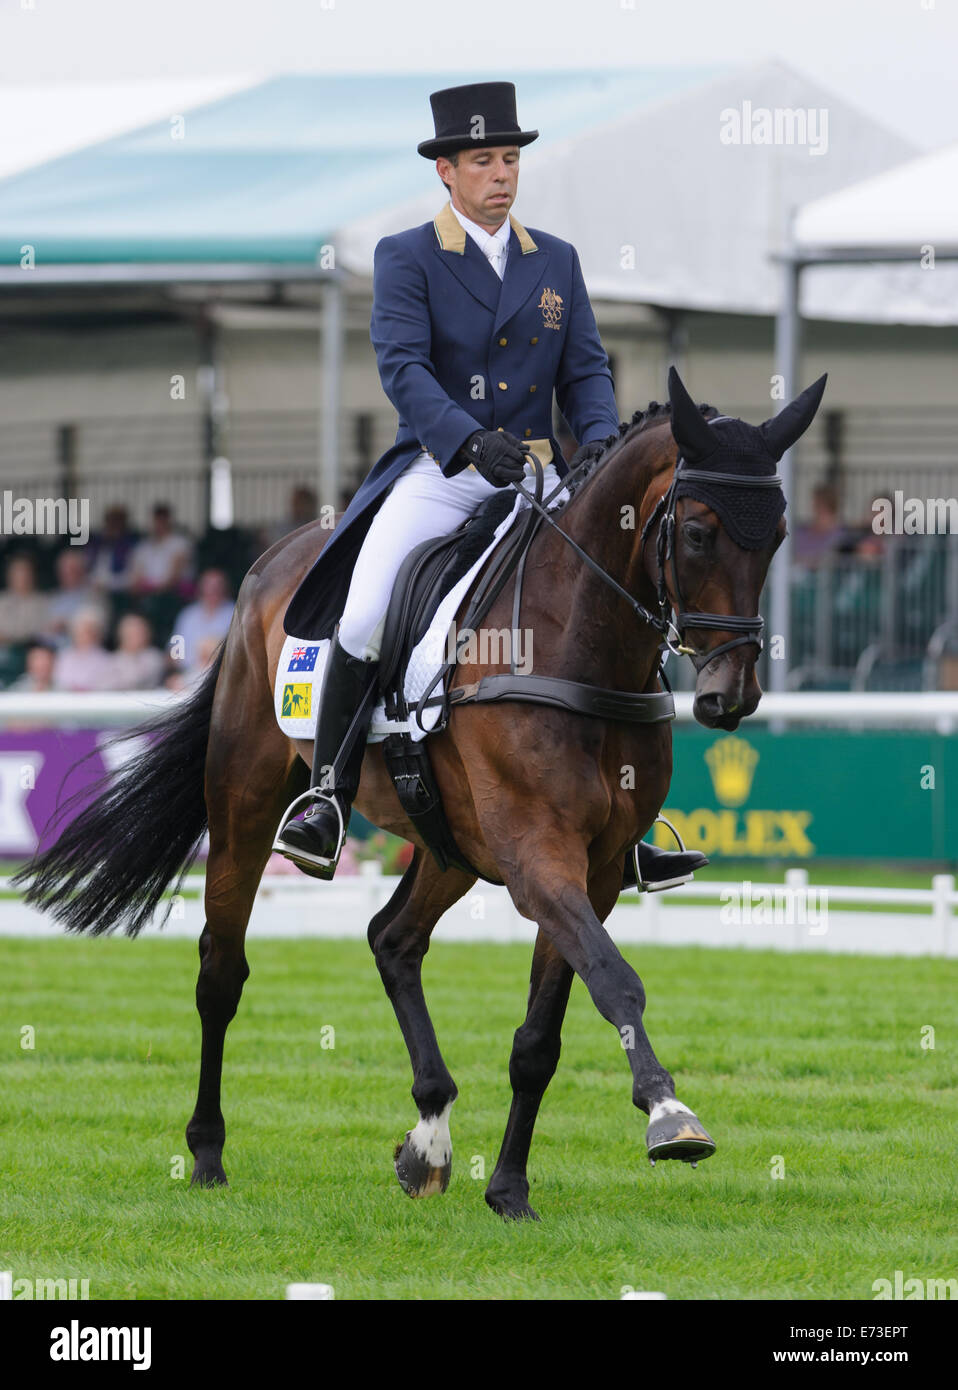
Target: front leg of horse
{"x": 562, "y": 908}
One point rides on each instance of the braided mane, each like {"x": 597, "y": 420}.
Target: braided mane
{"x": 641, "y": 420}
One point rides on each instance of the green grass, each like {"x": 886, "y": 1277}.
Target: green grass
{"x": 816, "y": 1059}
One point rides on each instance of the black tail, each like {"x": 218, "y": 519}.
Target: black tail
{"x": 113, "y": 862}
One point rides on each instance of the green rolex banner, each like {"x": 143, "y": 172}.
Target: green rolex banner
{"x": 808, "y": 794}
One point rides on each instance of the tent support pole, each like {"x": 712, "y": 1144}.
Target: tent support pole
{"x": 787, "y": 351}
{"x": 214, "y": 405}
{"x": 331, "y": 361}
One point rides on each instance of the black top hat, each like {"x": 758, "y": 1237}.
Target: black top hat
{"x": 483, "y": 113}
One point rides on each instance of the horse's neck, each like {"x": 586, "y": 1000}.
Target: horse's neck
{"x": 602, "y": 640}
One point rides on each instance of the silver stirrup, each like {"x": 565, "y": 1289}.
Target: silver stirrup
{"x": 644, "y": 887}
{"x": 314, "y": 794}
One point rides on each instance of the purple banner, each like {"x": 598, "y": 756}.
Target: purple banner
{"x": 40, "y": 770}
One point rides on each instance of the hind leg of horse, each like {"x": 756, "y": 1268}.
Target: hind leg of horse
{"x": 532, "y": 1065}
{"x": 549, "y": 887}
{"x": 241, "y": 834}
{"x": 223, "y": 972}
{"x": 399, "y": 937}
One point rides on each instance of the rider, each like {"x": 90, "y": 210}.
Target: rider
{"x": 476, "y": 324}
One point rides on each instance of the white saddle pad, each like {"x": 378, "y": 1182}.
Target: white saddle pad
{"x": 299, "y": 675}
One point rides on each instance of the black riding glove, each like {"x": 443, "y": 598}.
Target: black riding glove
{"x": 497, "y": 455}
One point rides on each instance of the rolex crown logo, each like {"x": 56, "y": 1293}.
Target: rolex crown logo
{"x": 731, "y": 764}
{"x": 551, "y": 306}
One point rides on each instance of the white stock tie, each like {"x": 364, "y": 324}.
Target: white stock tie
{"x": 494, "y": 255}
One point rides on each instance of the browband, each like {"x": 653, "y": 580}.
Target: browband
{"x": 706, "y": 475}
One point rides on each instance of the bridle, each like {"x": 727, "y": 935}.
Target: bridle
{"x": 749, "y": 630}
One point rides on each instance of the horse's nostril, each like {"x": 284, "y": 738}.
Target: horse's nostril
{"x": 712, "y": 705}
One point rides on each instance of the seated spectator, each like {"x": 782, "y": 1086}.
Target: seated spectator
{"x": 209, "y": 616}
{"x": 111, "y": 551}
{"x": 161, "y": 573}
{"x": 162, "y": 561}
{"x": 817, "y": 541}
{"x": 84, "y": 664}
{"x": 38, "y": 676}
{"x": 23, "y": 610}
{"x": 136, "y": 664}
{"x": 74, "y": 592}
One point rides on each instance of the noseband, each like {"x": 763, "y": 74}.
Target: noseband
{"x": 750, "y": 630}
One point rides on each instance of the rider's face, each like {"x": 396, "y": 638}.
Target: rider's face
{"x": 483, "y": 183}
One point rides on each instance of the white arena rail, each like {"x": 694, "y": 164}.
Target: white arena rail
{"x": 805, "y": 917}
{"x": 935, "y": 709}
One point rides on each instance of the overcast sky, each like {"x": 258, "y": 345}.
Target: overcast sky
{"x": 72, "y": 71}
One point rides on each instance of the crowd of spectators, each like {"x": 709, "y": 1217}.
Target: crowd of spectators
{"x": 126, "y": 611}
{"x": 129, "y": 610}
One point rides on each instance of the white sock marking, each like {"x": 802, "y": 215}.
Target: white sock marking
{"x": 431, "y": 1139}
{"x": 668, "y": 1107}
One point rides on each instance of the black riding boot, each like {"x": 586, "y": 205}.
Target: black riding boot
{"x": 314, "y": 843}
{"x": 661, "y": 868}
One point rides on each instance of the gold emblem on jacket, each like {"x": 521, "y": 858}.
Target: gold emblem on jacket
{"x": 551, "y": 306}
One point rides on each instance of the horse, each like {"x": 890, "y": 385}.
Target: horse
{"x": 537, "y": 797}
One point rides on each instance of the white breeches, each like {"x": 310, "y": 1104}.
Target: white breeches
{"x": 422, "y": 503}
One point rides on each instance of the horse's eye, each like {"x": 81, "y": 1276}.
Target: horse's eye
{"x": 696, "y": 536}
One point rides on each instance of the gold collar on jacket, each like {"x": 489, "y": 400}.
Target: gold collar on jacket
{"x": 451, "y": 234}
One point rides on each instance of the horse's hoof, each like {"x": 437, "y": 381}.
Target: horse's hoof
{"x": 511, "y": 1206}
{"x": 417, "y": 1176}
{"x": 208, "y": 1175}
{"x": 679, "y": 1135}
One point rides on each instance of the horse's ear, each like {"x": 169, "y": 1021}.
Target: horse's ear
{"x": 690, "y": 432}
{"x": 790, "y": 424}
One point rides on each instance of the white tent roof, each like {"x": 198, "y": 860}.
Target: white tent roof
{"x": 663, "y": 211}
{"x": 910, "y": 206}
{"x": 902, "y": 214}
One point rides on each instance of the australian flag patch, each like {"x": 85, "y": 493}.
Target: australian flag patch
{"x": 303, "y": 659}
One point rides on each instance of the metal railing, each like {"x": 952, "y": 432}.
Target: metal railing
{"x": 876, "y": 622}
{"x": 142, "y": 459}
